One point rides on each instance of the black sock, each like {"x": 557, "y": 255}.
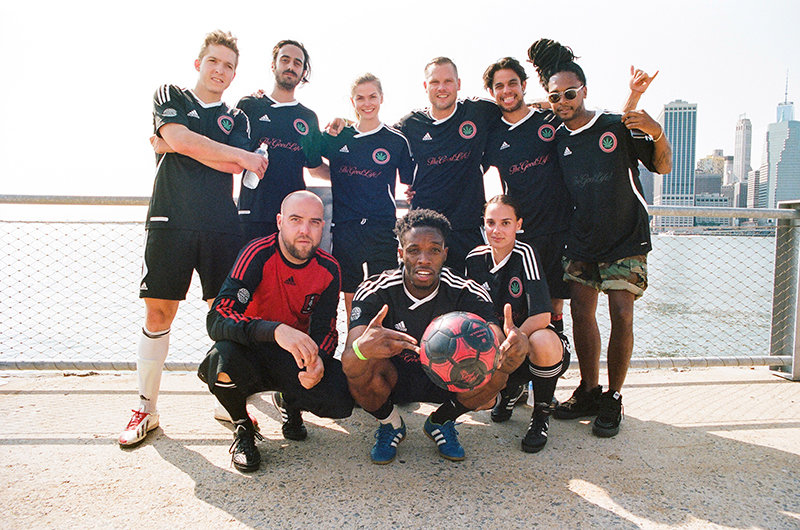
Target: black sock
{"x": 233, "y": 399}
{"x": 449, "y": 410}
{"x": 383, "y": 412}
{"x": 545, "y": 379}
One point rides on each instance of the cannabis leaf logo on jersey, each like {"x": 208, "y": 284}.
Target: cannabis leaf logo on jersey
{"x": 468, "y": 130}
{"x": 515, "y": 287}
{"x": 226, "y": 124}
{"x": 301, "y": 126}
{"x": 380, "y": 156}
{"x": 608, "y": 142}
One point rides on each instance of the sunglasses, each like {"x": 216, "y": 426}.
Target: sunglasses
{"x": 569, "y": 94}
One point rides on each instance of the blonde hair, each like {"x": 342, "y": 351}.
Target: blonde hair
{"x": 223, "y": 38}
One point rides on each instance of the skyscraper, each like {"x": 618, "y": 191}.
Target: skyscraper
{"x": 741, "y": 151}
{"x": 779, "y": 175}
{"x": 679, "y": 120}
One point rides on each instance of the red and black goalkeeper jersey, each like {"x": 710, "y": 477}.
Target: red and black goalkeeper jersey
{"x": 264, "y": 286}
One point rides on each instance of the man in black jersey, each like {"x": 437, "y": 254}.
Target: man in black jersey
{"x": 609, "y": 234}
{"x": 391, "y": 312}
{"x": 191, "y": 222}
{"x": 447, "y": 141}
{"x": 291, "y": 133}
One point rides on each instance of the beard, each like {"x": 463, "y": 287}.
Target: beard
{"x": 296, "y": 253}
{"x": 286, "y": 83}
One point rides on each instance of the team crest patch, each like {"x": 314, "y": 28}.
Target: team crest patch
{"x": 301, "y": 126}
{"x": 355, "y": 313}
{"x": 169, "y": 113}
{"x": 608, "y": 142}
{"x": 467, "y": 130}
{"x": 515, "y": 287}
{"x": 381, "y": 156}
{"x": 547, "y": 132}
{"x": 225, "y": 123}
{"x": 243, "y": 295}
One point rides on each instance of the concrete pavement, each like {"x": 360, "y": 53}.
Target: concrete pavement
{"x": 700, "y": 448}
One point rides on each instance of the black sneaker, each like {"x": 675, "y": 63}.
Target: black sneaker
{"x": 606, "y": 424}
{"x": 293, "y": 427}
{"x": 536, "y": 437}
{"x": 582, "y": 403}
{"x": 504, "y": 406}
{"x": 244, "y": 453}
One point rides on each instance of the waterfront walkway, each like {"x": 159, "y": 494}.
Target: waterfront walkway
{"x": 700, "y": 448}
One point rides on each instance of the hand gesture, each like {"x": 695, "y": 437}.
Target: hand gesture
{"x": 379, "y": 342}
{"x": 312, "y": 374}
{"x": 640, "y": 80}
{"x": 514, "y": 348}
{"x": 302, "y": 347}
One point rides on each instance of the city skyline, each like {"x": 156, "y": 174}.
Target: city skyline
{"x": 82, "y": 89}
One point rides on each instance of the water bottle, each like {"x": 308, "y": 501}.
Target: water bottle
{"x": 250, "y": 179}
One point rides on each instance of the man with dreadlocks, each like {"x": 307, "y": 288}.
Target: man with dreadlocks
{"x": 609, "y": 236}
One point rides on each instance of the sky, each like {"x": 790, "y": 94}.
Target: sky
{"x": 79, "y": 76}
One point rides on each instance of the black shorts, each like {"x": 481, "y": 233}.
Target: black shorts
{"x": 363, "y": 248}
{"x": 550, "y": 248}
{"x": 523, "y": 374}
{"x": 414, "y": 385}
{"x": 461, "y": 242}
{"x": 251, "y": 231}
{"x": 267, "y": 366}
{"x": 170, "y": 256}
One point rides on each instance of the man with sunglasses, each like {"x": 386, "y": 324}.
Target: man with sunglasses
{"x": 523, "y": 149}
{"x": 609, "y": 235}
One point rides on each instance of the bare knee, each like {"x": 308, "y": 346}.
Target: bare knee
{"x": 545, "y": 347}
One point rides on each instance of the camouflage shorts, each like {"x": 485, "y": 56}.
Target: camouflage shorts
{"x": 627, "y": 274}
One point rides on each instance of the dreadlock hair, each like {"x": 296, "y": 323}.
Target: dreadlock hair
{"x": 550, "y": 57}
{"x": 506, "y": 63}
{"x": 422, "y": 217}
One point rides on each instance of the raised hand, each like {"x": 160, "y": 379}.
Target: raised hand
{"x": 514, "y": 348}
{"x": 640, "y": 80}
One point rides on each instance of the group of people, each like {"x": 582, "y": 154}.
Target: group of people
{"x": 571, "y": 223}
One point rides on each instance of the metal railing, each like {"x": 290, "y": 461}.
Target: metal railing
{"x": 71, "y": 295}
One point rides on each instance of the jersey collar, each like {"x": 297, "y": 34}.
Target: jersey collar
{"x": 417, "y": 301}
{"x": 276, "y": 104}
{"x": 437, "y": 122}
{"x": 201, "y": 103}
{"x": 512, "y": 126}
{"x": 360, "y": 134}
{"x": 498, "y": 266}
{"x": 597, "y": 114}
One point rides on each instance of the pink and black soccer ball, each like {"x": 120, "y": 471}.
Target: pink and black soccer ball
{"x": 459, "y": 351}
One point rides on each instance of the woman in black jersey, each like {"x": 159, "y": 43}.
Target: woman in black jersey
{"x": 510, "y": 271}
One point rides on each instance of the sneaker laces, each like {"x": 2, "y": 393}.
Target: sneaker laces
{"x": 247, "y": 448}
{"x": 385, "y": 435}
{"x": 136, "y": 419}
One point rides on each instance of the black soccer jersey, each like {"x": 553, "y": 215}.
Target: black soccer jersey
{"x": 524, "y": 154}
{"x": 516, "y": 280}
{"x": 449, "y": 153}
{"x": 600, "y": 166}
{"x": 364, "y": 168}
{"x": 291, "y": 132}
{"x": 188, "y": 195}
{"x": 412, "y": 316}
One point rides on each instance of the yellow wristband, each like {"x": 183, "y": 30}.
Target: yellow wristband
{"x": 357, "y": 351}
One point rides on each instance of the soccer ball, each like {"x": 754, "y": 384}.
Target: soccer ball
{"x": 459, "y": 351}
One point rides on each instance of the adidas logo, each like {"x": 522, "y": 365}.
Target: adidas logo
{"x": 194, "y": 114}
{"x": 504, "y": 146}
{"x": 427, "y": 137}
{"x": 344, "y": 150}
{"x": 567, "y": 152}
{"x": 290, "y": 281}
{"x": 400, "y": 326}
{"x": 264, "y": 118}
{"x": 486, "y": 286}
{"x": 143, "y": 287}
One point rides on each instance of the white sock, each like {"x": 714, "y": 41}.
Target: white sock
{"x": 393, "y": 418}
{"x": 153, "y": 349}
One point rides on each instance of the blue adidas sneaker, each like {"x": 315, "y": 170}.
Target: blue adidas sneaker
{"x": 446, "y": 438}
{"x": 387, "y": 439}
